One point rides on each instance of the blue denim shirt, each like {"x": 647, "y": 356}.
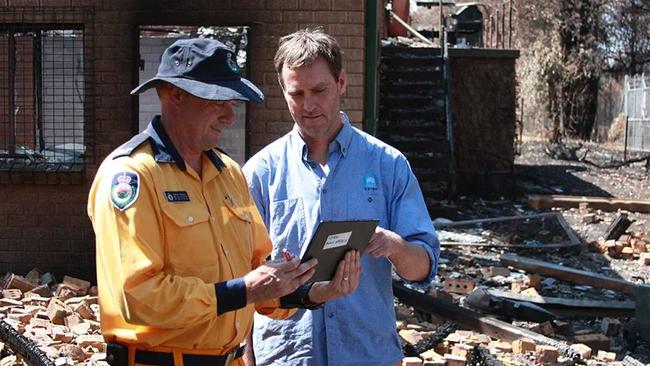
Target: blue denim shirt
{"x": 367, "y": 179}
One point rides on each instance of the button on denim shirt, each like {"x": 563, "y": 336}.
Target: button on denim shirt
{"x": 367, "y": 179}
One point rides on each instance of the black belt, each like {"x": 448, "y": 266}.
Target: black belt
{"x": 167, "y": 358}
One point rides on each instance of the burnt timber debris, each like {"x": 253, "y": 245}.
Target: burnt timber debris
{"x": 594, "y": 317}
{"x": 598, "y": 203}
{"x": 537, "y": 224}
{"x": 568, "y": 308}
{"x": 567, "y": 274}
{"x": 472, "y": 320}
{"x": 617, "y": 227}
{"x": 551, "y": 311}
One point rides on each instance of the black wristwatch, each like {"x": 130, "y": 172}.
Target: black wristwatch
{"x": 299, "y": 299}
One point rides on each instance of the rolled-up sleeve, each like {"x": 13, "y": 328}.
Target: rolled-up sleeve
{"x": 410, "y": 217}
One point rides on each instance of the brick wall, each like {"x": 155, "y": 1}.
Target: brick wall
{"x": 45, "y": 225}
{"x": 483, "y": 100}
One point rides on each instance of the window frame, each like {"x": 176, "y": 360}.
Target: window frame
{"x": 21, "y": 168}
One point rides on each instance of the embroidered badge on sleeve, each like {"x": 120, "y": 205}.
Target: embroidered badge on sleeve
{"x": 125, "y": 187}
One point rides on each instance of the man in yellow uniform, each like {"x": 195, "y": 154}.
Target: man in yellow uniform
{"x": 181, "y": 247}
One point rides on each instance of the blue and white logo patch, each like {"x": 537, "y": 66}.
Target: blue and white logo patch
{"x": 125, "y": 187}
{"x": 370, "y": 182}
{"x": 232, "y": 63}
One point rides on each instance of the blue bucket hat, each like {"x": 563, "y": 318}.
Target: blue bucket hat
{"x": 205, "y": 68}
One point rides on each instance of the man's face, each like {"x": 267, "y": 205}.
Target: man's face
{"x": 206, "y": 119}
{"x": 313, "y": 96}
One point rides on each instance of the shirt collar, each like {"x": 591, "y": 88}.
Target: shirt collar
{"x": 340, "y": 143}
{"x": 344, "y": 136}
{"x": 165, "y": 152}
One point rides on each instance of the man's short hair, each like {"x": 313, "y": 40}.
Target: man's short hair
{"x": 304, "y": 47}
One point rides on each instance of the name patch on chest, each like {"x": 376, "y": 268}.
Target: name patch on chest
{"x": 177, "y": 196}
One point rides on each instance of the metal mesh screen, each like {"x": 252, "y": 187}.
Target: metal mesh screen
{"x": 45, "y": 90}
{"x": 637, "y": 100}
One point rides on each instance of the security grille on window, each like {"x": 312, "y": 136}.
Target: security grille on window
{"x": 42, "y": 98}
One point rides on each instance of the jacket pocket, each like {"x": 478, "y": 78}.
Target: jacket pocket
{"x": 188, "y": 237}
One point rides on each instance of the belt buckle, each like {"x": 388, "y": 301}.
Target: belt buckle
{"x": 230, "y": 357}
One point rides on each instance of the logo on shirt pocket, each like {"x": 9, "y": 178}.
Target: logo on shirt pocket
{"x": 370, "y": 182}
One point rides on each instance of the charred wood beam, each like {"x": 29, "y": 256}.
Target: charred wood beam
{"x": 615, "y": 165}
{"x": 575, "y": 307}
{"x": 617, "y": 227}
{"x": 485, "y": 301}
{"x": 576, "y": 303}
{"x": 573, "y": 238}
{"x": 598, "y": 203}
{"x": 482, "y": 357}
{"x": 513, "y": 246}
{"x": 567, "y": 273}
{"x": 473, "y": 320}
{"x": 429, "y": 341}
{"x": 497, "y": 219}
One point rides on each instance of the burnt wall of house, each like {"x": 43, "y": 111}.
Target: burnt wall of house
{"x": 483, "y": 105}
{"x": 482, "y": 96}
{"x": 43, "y": 220}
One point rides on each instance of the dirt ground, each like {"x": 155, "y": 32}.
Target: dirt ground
{"x": 537, "y": 172}
{"x": 535, "y": 169}
{"x": 577, "y": 170}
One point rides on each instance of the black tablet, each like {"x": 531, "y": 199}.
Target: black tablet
{"x": 332, "y": 240}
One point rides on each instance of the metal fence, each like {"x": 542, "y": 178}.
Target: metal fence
{"x": 636, "y": 103}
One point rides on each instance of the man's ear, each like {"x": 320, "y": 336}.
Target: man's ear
{"x": 342, "y": 83}
{"x": 176, "y": 95}
{"x": 280, "y": 82}
{"x": 169, "y": 93}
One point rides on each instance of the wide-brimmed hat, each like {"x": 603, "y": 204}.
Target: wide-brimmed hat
{"x": 205, "y": 68}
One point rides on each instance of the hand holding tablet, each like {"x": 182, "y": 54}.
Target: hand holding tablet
{"x": 332, "y": 240}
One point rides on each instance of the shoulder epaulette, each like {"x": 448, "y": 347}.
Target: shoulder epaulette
{"x": 127, "y": 148}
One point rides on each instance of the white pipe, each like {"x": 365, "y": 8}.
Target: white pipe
{"x": 410, "y": 29}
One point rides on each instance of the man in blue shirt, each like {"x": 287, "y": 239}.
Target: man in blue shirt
{"x": 325, "y": 169}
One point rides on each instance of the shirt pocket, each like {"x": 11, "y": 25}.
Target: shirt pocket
{"x": 188, "y": 235}
{"x": 367, "y": 206}
{"x": 287, "y": 226}
{"x": 238, "y": 212}
{"x": 238, "y": 227}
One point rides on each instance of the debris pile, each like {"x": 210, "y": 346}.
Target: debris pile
{"x": 532, "y": 289}
{"x": 493, "y": 332}
{"x": 61, "y": 319}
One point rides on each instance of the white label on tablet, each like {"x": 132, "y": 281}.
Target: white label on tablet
{"x": 337, "y": 240}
